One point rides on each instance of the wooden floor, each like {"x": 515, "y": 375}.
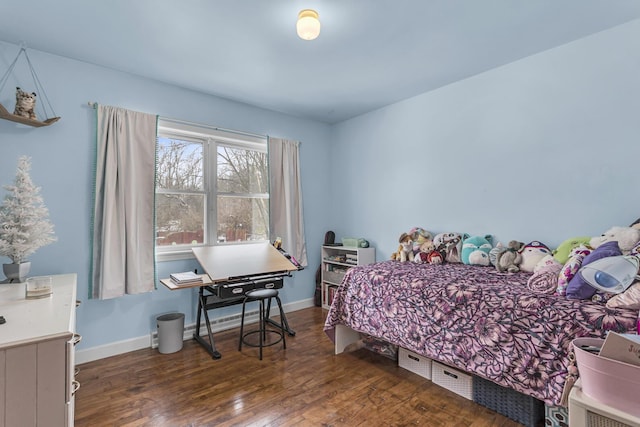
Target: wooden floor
{"x": 304, "y": 385}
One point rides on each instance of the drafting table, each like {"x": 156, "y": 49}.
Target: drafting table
{"x": 232, "y": 270}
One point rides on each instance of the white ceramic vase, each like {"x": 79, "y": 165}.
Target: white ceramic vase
{"x": 16, "y": 273}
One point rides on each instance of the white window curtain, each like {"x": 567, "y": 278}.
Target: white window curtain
{"x": 123, "y": 247}
{"x": 285, "y": 197}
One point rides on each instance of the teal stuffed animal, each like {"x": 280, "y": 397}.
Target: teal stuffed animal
{"x": 475, "y": 249}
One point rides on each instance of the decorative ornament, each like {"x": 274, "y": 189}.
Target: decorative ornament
{"x": 26, "y": 102}
{"x": 24, "y": 223}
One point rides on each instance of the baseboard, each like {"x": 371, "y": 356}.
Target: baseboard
{"x": 151, "y": 340}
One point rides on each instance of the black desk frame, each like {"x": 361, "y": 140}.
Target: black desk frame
{"x": 209, "y": 299}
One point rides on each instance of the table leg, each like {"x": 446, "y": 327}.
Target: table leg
{"x": 284, "y": 323}
{"x": 209, "y": 346}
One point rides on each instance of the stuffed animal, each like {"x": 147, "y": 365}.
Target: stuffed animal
{"x": 419, "y": 236}
{"x": 422, "y": 255}
{"x": 561, "y": 253}
{"x": 578, "y": 287}
{"x": 532, "y": 253}
{"x": 510, "y": 259}
{"x": 435, "y": 257}
{"x": 571, "y": 267}
{"x": 405, "y": 249}
{"x": 493, "y": 253}
{"x": 546, "y": 261}
{"x": 25, "y": 104}
{"x": 475, "y": 249}
{"x": 428, "y": 254}
{"x": 450, "y": 245}
{"x": 627, "y": 238}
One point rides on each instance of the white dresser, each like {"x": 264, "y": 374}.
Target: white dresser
{"x": 37, "y": 383}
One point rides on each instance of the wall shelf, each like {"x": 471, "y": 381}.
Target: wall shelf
{"x": 6, "y": 115}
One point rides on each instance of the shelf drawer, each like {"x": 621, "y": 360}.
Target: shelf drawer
{"x": 334, "y": 276}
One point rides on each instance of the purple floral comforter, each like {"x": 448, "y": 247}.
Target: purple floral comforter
{"x": 474, "y": 318}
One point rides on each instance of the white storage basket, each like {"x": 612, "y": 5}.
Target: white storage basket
{"x": 452, "y": 379}
{"x": 414, "y": 362}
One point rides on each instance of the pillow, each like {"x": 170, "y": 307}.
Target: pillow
{"x": 563, "y": 252}
{"x": 545, "y": 279}
{"x": 628, "y": 299}
{"x": 578, "y": 288}
{"x": 546, "y": 261}
{"x": 449, "y": 244}
{"x": 571, "y": 267}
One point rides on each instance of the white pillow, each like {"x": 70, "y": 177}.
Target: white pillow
{"x": 628, "y": 299}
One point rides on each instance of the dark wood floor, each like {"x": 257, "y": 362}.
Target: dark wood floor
{"x": 304, "y": 385}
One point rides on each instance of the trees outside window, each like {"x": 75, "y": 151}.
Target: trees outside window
{"x": 211, "y": 187}
{"x": 242, "y": 191}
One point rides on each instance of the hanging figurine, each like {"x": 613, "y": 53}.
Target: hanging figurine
{"x": 25, "y": 104}
{"x": 25, "y": 111}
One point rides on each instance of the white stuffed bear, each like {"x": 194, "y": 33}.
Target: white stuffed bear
{"x": 532, "y": 253}
{"x": 627, "y": 238}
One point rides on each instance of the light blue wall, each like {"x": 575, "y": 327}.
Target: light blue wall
{"x": 544, "y": 148}
{"x": 62, "y": 157}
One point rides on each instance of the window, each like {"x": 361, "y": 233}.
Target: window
{"x": 212, "y": 187}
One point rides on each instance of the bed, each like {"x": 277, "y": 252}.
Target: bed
{"x": 474, "y": 318}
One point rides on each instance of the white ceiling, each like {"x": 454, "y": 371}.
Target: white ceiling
{"x": 370, "y": 53}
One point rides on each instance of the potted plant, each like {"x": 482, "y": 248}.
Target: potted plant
{"x": 24, "y": 223}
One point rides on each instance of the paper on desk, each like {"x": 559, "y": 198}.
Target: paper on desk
{"x": 622, "y": 347}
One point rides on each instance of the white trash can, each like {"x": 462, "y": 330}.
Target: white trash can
{"x": 170, "y": 327}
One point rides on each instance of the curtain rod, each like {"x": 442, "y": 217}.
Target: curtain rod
{"x": 184, "y": 122}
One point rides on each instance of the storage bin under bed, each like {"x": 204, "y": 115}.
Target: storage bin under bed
{"x": 414, "y": 362}
{"x": 452, "y": 379}
{"x": 519, "y": 407}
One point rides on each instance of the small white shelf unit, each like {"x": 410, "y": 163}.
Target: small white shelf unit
{"x": 585, "y": 411}
{"x": 336, "y": 260}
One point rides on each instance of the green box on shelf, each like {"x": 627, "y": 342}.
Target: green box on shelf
{"x": 350, "y": 242}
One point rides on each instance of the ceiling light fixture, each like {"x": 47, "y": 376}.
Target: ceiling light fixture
{"x": 308, "y": 25}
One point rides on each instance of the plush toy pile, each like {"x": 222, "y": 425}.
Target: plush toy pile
{"x": 552, "y": 271}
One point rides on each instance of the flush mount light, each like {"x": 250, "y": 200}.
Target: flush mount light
{"x": 308, "y": 25}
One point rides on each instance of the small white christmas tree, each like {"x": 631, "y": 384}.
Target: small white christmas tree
{"x": 24, "y": 219}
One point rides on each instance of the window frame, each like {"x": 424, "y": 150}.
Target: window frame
{"x": 211, "y": 138}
